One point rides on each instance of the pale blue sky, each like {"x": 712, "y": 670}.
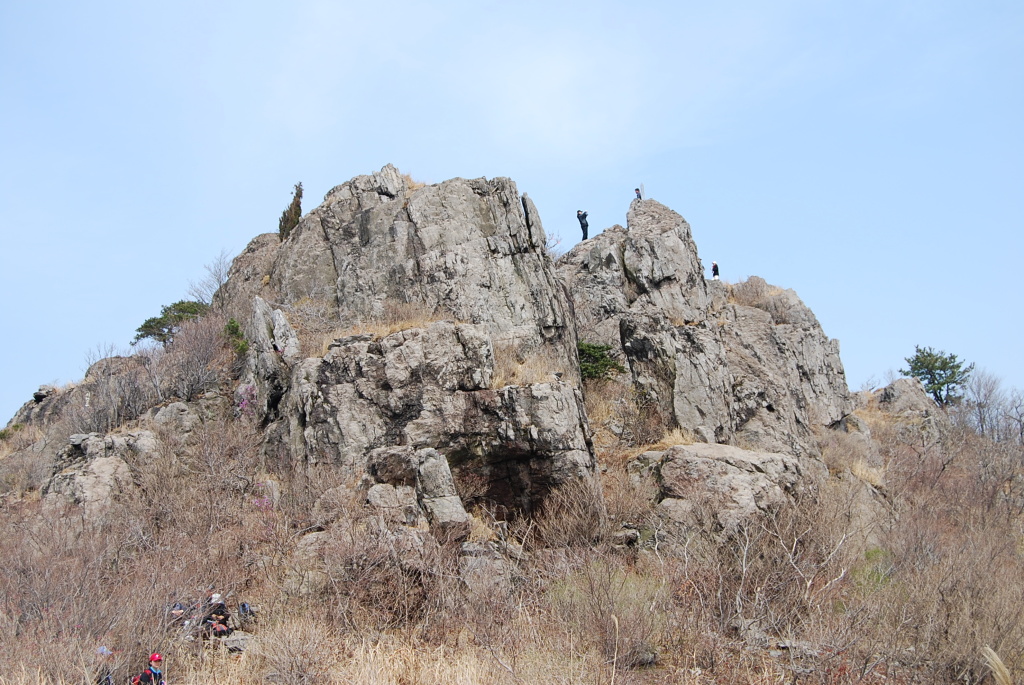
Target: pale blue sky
{"x": 869, "y": 155}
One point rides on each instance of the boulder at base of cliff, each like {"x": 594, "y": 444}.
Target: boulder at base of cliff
{"x": 725, "y": 487}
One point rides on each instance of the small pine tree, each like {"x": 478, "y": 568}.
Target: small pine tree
{"x": 236, "y": 337}
{"x": 942, "y": 374}
{"x": 162, "y": 328}
{"x": 595, "y": 362}
{"x": 290, "y": 216}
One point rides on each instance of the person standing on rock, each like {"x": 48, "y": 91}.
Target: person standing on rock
{"x": 714, "y": 271}
{"x": 582, "y": 216}
{"x": 638, "y": 195}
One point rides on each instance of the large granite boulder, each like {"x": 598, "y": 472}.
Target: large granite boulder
{"x": 906, "y": 398}
{"x": 729, "y": 485}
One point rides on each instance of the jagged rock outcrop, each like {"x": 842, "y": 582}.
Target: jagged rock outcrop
{"x": 759, "y": 376}
{"x": 416, "y": 487}
{"x": 92, "y": 469}
{"x": 469, "y": 250}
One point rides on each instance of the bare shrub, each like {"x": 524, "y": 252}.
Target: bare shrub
{"x": 602, "y": 399}
{"x": 572, "y": 514}
{"x": 639, "y": 419}
{"x": 116, "y": 389}
{"x": 756, "y": 292}
{"x": 216, "y": 275}
{"x": 197, "y": 357}
{"x": 552, "y": 246}
{"x": 630, "y": 501}
{"x": 23, "y": 472}
{"x": 313, "y": 317}
{"x": 620, "y": 611}
{"x": 69, "y": 584}
{"x": 296, "y": 650}
{"x": 411, "y": 183}
{"x": 751, "y": 292}
{"x": 17, "y": 437}
{"x": 872, "y": 475}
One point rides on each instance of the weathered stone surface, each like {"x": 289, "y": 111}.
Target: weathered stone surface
{"x": 249, "y": 277}
{"x": 178, "y": 416}
{"x": 728, "y": 373}
{"x": 485, "y": 569}
{"x": 273, "y": 348}
{"x": 906, "y": 397}
{"x": 92, "y": 469}
{"x": 429, "y": 388}
{"x": 471, "y": 250}
{"x": 305, "y": 572}
{"x": 43, "y": 392}
{"x": 730, "y": 484}
{"x": 237, "y": 641}
{"x": 415, "y": 487}
{"x": 438, "y": 497}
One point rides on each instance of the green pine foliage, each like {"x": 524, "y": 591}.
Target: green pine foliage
{"x": 595, "y": 363}
{"x": 233, "y": 332}
{"x": 943, "y": 374}
{"x": 162, "y": 328}
{"x": 9, "y": 432}
{"x": 290, "y": 216}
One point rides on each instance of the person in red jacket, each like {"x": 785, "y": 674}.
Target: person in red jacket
{"x": 152, "y": 675}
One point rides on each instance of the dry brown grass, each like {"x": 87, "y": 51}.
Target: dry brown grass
{"x": 312, "y": 317}
{"x": 396, "y": 317}
{"x": 18, "y": 437}
{"x": 514, "y": 365}
{"x": 1000, "y": 673}
{"x": 676, "y": 436}
{"x": 756, "y": 292}
{"x": 873, "y": 475}
{"x": 412, "y": 183}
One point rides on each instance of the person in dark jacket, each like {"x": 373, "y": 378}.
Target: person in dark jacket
{"x": 714, "y": 271}
{"x": 638, "y": 196}
{"x": 215, "y": 622}
{"x": 582, "y": 216}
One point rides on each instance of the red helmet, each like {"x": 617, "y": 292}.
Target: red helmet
{"x": 155, "y": 657}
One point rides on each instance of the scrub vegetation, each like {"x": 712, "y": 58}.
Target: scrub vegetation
{"x": 931, "y": 592}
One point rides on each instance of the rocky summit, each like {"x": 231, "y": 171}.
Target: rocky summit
{"x": 402, "y": 330}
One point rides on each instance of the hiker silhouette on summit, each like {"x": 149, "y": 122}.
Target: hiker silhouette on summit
{"x": 582, "y": 216}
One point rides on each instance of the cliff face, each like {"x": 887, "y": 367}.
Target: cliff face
{"x": 470, "y": 257}
{"x": 755, "y": 370}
